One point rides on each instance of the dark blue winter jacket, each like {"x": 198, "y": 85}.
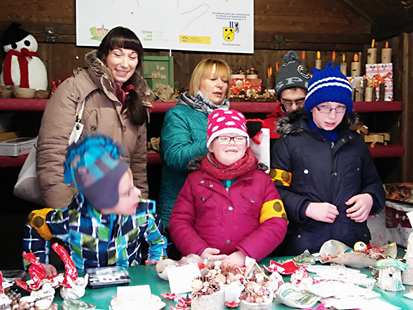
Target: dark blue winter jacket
{"x": 311, "y": 168}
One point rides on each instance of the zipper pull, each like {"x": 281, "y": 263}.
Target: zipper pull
{"x": 332, "y": 145}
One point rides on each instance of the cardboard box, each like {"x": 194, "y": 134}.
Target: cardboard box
{"x": 9, "y": 135}
{"x": 384, "y": 70}
{"x": 16, "y": 147}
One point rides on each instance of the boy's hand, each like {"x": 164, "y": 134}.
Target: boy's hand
{"x": 50, "y": 270}
{"x": 211, "y": 253}
{"x": 152, "y": 262}
{"x": 322, "y": 212}
{"x": 236, "y": 259}
{"x": 361, "y": 208}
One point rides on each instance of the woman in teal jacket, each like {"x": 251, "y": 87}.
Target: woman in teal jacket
{"x": 183, "y": 134}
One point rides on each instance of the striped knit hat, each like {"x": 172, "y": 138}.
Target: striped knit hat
{"x": 94, "y": 165}
{"x": 327, "y": 85}
{"x": 222, "y": 122}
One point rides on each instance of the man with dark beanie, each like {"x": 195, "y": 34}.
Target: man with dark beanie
{"x": 290, "y": 89}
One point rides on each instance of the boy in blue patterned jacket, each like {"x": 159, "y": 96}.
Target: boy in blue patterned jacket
{"x": 105, "y": 222}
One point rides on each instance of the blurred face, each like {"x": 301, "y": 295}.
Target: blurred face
{"x": 228, "y": 148}
{"x": 293, "y": 98}
{"x": 128, "y": 197}
{"x": 122, "y": 64}
{"x": 328, "y": 115}
{"x": 214, "y": 87}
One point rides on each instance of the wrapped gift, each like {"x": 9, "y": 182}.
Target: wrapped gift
{"x": 382, "y": 74}
{"x": 245, "y": 84}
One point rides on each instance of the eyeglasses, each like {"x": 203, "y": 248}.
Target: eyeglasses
{"x": 299, "y": 102}
{"x": 227, "y": 140}
{"x": 325, "y": 109}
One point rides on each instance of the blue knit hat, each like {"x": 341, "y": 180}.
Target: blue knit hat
{"x": 94, "y": 165}
{"x": 327, "y": 85}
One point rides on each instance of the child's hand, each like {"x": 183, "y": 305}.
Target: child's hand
{"x": 152, "y": 262}
{"x": 322, "y": 212}
{"x": 50, "y": 270}
{"x": 212, "y": 254}
{"x": 236, "y": 259}
{"x": 361, "y": 208}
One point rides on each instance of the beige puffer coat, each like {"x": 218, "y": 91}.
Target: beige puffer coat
{"x": 102, "y": 113}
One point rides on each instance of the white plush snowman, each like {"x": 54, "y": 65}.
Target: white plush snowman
{"x": 21, "y": 65}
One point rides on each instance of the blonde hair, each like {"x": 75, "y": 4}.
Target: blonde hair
{"x": 205, "y": 67}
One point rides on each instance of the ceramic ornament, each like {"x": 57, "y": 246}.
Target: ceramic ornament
{"x": 390, "y": 274}
{"x": 5, "y": 302}
{"x": 22, "y": 67}
{"x": 407, "y": 275}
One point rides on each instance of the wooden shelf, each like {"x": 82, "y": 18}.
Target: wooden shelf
{"x": 379, "y": 151}
{"x": 377, "y": 106}
{"x": 18, "y": 104}
{"x": 386, "y": 151}
{"x": 8, "y": 161}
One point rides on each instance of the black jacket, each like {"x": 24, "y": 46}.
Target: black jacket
{"x": 322, "y": 171}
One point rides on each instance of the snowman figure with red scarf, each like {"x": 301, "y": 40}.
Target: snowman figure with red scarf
{"x": 21, "y": 65}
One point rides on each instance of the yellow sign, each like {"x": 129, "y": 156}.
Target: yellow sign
{"x": 195, "y": 39}
{"x": 228, "y": 34}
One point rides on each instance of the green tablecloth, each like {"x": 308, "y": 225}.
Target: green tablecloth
{"x": 144, "y": 275}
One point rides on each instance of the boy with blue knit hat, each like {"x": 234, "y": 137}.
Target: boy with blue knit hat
{"x": 106, "y": 220}
{"x": 323, "y": 170}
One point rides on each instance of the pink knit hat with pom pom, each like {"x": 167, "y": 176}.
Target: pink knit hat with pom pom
{"x": 221, "y": 122}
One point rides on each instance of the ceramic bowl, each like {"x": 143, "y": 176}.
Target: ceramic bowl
{"x": 41, "y": 94}
{"x": 6, "y": 91}
{"x": 23, "y": 92}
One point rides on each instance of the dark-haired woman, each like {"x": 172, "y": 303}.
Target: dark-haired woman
{"x": 116, "y": 102}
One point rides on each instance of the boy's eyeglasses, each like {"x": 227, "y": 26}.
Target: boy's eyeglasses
{"x": 290, "y": 103}
{"x": 325, "y": 109}
{"x": 227, "y": 140}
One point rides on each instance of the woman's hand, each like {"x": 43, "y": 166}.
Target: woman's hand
{"x": 236, "y": 259}
{"x": 361, "y": 208}
{"x": 211, "y": 253}
{"x": 322, "y": 212}
{"x": 50, "y": 270}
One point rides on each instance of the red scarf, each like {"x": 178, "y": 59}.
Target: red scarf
{"x": 220, "y": 171}
{"x": 23, "y": 64}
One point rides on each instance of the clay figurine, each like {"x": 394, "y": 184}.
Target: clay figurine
{"x": 390, "y": 274}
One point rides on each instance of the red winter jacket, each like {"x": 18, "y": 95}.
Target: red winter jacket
{"x": 206, "y": 214}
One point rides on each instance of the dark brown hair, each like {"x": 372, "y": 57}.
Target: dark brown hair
{"x": 121, "y": 37}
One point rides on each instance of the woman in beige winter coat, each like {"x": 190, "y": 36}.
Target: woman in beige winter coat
{"x": 116, "y": 102}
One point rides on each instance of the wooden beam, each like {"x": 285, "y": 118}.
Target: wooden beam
{"x": 353, "y": 6}
{"x": 313, "y": 41}
{"x": 407, "y": 97}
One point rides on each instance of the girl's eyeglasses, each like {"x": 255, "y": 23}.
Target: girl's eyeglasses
{"x": 227, "y": 140}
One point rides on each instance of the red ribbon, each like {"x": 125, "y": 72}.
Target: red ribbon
{"x": 23, "y": 64}
{"x": 70, "y": 268}
{"x": 127, "y": 88}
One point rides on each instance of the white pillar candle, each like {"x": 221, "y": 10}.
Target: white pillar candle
{"x": 386, "y": 55}
{"x": 355, "y": 68}
{"x": 343, "y": 68}
{"x": 372, "y": 55}
{"x": 369, "y": 94}
{"x": 318, "y": 63}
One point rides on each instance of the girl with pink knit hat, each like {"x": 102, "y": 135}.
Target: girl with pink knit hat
{"x": 228, "y": 208}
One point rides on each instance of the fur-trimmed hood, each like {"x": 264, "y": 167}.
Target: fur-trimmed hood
{"x": 100, "y": 69}
{"x": 297, "y": 121}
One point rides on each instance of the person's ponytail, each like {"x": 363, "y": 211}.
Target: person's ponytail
{"x": 136, "y": 109}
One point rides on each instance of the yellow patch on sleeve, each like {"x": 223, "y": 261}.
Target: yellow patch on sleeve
{"x": 37, "y": 220}
{"x": 272, "y": 208}
{"x": 281, "y": 176}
